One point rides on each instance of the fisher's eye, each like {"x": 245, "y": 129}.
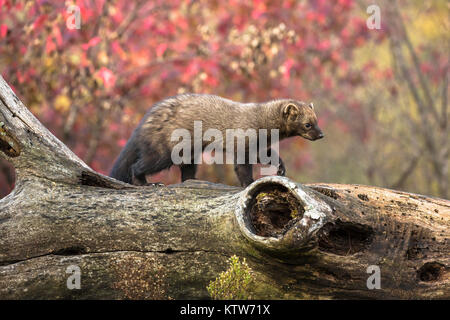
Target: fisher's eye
{"x": 308, "y": 126}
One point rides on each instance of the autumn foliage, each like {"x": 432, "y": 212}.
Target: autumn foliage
{"x": 91, "y": 86}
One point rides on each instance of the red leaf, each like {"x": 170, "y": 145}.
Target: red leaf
{"x": 3, "y": 30}
{"x": 116, "y": 48}
{"x": 160, "y": 49}
{"x": 19, "y": 76}
{"x": 259, "y": 9}
{"x": 58, "y": 36}
{"x": 310, "y": 16}
{"x": 93, "y": 42}
{"x": 324, "y": 45}
{"x": 287, "y": 68}
{"x": 49, "y": 45}
{"x": 108, "y": 78}
{"x": 122, "y": 142}
{"x": 39, "y": 22}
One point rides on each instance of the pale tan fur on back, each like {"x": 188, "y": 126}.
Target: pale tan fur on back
{"x": 215, "y": 112}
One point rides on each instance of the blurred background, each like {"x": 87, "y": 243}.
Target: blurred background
{"x": 381, "y": 95}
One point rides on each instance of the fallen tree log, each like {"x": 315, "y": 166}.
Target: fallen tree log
{"x": 302, "y": 241}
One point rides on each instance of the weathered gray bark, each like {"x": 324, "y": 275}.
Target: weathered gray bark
{"x": 301, "y": 241}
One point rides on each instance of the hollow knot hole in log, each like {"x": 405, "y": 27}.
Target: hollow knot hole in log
{"x": 277, "y": 214}
{"x": 432, "y": 271}
{"x": 344, "y": 238}
{"x": 273, "y": 210}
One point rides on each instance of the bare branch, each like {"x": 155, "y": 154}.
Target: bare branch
{"x": 416, "y": 63}
{"x": 444, "y": 100}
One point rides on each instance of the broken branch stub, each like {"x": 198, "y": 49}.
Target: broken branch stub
{"x": 35, "y": 152}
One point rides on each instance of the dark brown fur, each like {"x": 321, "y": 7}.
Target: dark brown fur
{"x": 148, "y": 150}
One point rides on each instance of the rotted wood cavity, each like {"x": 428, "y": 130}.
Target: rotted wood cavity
{"x": 273, "y": 210}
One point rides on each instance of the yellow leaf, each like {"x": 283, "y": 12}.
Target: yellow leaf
{"x": 62, "y": 103}
{"x": 102, "y": 58}
{"x": 75, "y": 59}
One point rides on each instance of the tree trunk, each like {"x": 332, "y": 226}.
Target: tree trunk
{"x": 302, "y": 241}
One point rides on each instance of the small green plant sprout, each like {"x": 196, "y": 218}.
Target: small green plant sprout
{"x": 234, "y": 283}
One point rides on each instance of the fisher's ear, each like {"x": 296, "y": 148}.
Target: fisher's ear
{"x": 311, "y": 105}
{"x": 291, "y": 111}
